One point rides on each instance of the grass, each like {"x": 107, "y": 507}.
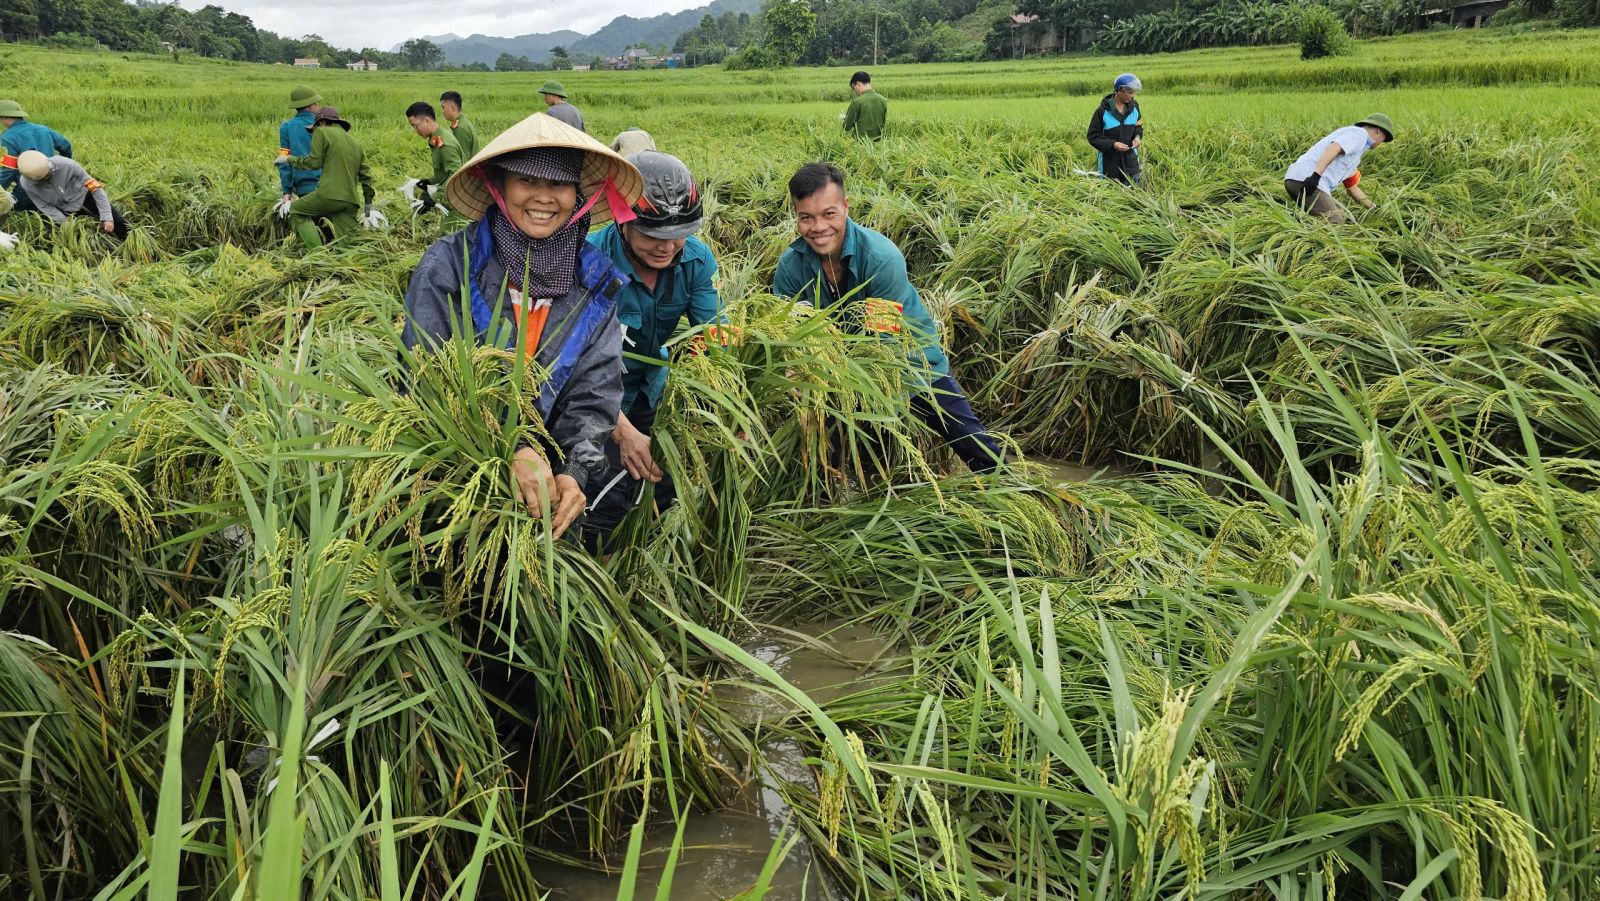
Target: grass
{"x": 1334, "y": 635}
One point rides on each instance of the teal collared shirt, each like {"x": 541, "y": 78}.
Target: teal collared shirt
{"x": 683, "y": 289}
{"x": 875, "y": 266}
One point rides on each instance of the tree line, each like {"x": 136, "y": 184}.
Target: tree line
{"x": 146, "y": 26}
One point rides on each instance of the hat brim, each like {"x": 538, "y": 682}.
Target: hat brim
{"x": 1388, "y": 136}
{"x": 302, "y": 104}
{"x": 469, "y": 196}
{"x": 669, "y": 232}
{"x": 313, "y": 126}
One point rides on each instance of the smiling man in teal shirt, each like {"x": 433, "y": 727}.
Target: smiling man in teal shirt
{"x": 838, "y": 261}
{"x": 671, "y": 280}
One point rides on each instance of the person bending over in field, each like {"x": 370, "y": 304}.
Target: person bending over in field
{"x": 343, "y": 187}
{"x": 294, "y": 139}
{"x": 466, "y": 135}
{"x": 632, "y": 141}
{"x": 1331, "y": 161}
{"x": 523, "y": 278}
{"x": 672, "y": 276}
{"x": 836, "y": 260}
{"x": 58, "y": 187}
{"x": 555, "y": 102}
{"x": 17, "y": 135}
{"x": 443, "y": 149}
{"x": 1116, "y": 130}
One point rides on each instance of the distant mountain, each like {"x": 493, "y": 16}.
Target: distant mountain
{"x": 440, "y": 39}
{"x": 608, "y": 41}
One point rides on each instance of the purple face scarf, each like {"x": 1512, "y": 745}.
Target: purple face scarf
{"x": 550, "y": 264}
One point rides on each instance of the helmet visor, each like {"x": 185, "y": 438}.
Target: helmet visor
{"x": 667, "y": 231}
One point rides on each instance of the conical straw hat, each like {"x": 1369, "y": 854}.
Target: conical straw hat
{"x": 468, "y": 195}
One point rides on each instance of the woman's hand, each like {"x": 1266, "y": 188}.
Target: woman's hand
{"x": 539, "y": 490}
{"x": 568, "y": 506}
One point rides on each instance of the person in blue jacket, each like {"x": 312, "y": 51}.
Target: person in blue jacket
{"x": 522, "y": 278}
{"x": 836, "y": 260}
{"x": 294, "y": 140}
{"x": 1116, "y": 129}
{"x": 671, "y": 279}
{"x": 18, "y": 136}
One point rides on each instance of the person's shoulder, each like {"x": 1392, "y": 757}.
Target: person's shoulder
{"x": 698, "y": 250}
{"x": 876, "y": 243}
{"x": 606, "y": 237}
{"x": 597, "y": 271}
{"x": 447, "y": 250}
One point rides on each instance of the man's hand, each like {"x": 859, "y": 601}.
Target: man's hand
{"x": 280, "y": 160}
{"x": 635, "y": 447}
{"x": 1135, "y": 144}
{"x": 1312, "y": 181}
{"x": 1120, "y": 147}
{"x": 108, "y": 227}
{"x": 287, "y": 198}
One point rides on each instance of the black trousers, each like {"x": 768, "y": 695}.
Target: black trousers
{"x": 946, "y": 410}
{"x": 119, "y": 228}
{"x": 613, "y": 507}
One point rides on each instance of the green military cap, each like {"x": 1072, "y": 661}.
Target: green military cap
{"x": 1380, "y": 121}
{"x": 554, "y": 87}
{"x": 302, "y": 97}
{"x": 11, "y": 109}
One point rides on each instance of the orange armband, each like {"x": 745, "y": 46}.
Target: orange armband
{"x": 883, "y": 315}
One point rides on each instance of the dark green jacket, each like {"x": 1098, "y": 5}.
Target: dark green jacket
{"x": 867, "y": 114}
{"x": 343, "y": 164}
{"x": 467, "y": 137}
{"x": 446, "y": 153}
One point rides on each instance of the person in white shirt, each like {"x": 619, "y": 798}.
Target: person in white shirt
{"x": 1310, "y": 181}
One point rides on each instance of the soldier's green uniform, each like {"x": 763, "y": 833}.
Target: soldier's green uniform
{"x": 344, "y": 187}
{"x": 466, "y": 136}
{"x": 867, "y": 115}
{"x": 445, "y": 151}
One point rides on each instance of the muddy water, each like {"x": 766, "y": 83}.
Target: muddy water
{"x": 1063, "y": 471}
{"x": 725, "y": 850}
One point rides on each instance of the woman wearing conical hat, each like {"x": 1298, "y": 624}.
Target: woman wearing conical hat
{"x": 522, "y": 277}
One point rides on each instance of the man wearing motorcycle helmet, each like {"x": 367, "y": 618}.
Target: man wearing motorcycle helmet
{"x": 672, "y": 279}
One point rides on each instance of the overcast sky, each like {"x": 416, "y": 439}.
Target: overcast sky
{"x": 363, "y": 23}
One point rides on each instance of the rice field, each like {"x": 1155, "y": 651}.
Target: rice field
{"x": 1325, "y": 626}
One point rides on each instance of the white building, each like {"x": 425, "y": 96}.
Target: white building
{"x": 362, "y": 65}
{"x": 308, "y": 63}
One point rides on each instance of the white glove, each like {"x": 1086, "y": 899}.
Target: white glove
{"x": 410, "y": 188}
{"x": 280, "y": 160}
{"x": 417, "y": 204}
{"x": 8, "y": 241}
{"x": 433, "y": 189}
{"x": 282, "y": 208}
{"x": 374, "y": 219}
{"x": 7, "y": 202}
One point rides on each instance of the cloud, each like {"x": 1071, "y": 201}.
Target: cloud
{"x": 362, "y": 23}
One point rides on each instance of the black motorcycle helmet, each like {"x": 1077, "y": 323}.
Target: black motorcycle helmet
{"x": 670, "y": 207}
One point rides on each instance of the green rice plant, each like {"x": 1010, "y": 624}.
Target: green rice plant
{"x": 1336, "y": 638}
